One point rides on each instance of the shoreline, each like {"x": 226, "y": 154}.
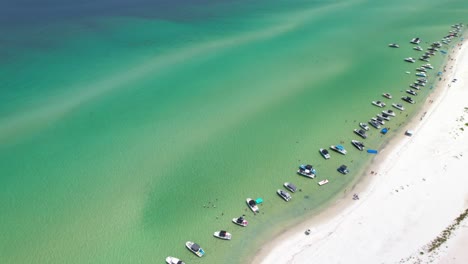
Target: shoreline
{"x": 331, "y": 217}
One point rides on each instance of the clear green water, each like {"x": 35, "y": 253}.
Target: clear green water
{"x": 122, "y": 137}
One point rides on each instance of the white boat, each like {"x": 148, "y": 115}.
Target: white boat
{"x": 378, "y": 103}
{"x": 415, "y": 86}
{"x": 398, "y": 106}
{"x": 418, "y": 48}
{"x": 409, "y": 59}
{"x": 323, "y": 182}
{"x": 389, "y": 112}
{"x": 378, "y": 120}
{"x": 421, "y": 74}
{"x": 339, "y": 148}
{"x": 324, "y": 153}
{"x": 393, "y": 45}
{"x": 306, "y": 171}
{"x": 387, "y": 95}
{"x": 173, "y": 260}
{"x": 411, "y": 92}
{"x": 222, "y": 235}
{"x": 252, "y": 205}
{"x": 240, "y": 221}
{"x": 284, "y": 194}
{"x": 428, "y": 66}
{"x": 408, "y": 99}
{"x": 291, "y": 187}
{"x": 374, "y": 123}
{"x": 359, "y": 145}
{"x": 343, "y": 169}
{"x": 421, "y": 69}
{"x": 195, "y": 248}
{"x": 364, "y": 126}
{"x": 361, "y": 133}
{"x": 383, "y": 117}
{"x": 415, "y": 41}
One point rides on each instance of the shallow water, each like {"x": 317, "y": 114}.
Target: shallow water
{"x": 126, "y": 132}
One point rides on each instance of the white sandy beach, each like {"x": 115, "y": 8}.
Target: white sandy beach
{"x": 419, "y": 188}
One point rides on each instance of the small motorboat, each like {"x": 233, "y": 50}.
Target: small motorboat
{"x": 415, "y": 86}
{"x": 195, "y": 248}
{"x": 240, "y": 221}
{"x": 359, "y": 145}
{"x": 361, "y": 133}
{"x": 415, "y": 41}
{"x": 291, "y": 187}
{"x": 222, "y": 235}
{"x": 424, "y": 58}
{"x": 421, "y": 74}
{"x": 378, "y": 120}
{"x": 409, "y": 59}
{"x": 339, "y": 148}
{"x": 383, "y": 117}
{"x": 173, "y": 260}
{"x": 375, "y": 124}
{"x": 428, "y": 66}
{"x": 306, "y": 171}
{"x": 364, "y": 126}
{"x": 418, "y": 48}
{"x": 393, "y": 45}
{"x": 408, "y": 99}
{"x": 343, "y": 169}
{"x": 421, "y": 69}
{"x": 323, "y": 182}
{"x": 411, "y": 92}
{"x": 398, "y": 106}
{"x": 378, "y": 103}
{"x": 324, "y": 153}
{"x": 422, "y": 80}
{"x": 387, "y": 95}
{"x": 389, "y": 112}
{"x": 284, "y": 194}
{"x": 252, "y": 205}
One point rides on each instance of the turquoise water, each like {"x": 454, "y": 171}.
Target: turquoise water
{"x": 123, "y": 135}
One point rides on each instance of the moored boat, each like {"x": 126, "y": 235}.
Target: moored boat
{"x": 291, "y": 187}
{"x": 364, "y": 126}
{"x": 421, "y": 74}
{"x": 387, "y": 95}
{"x": 409, "y": 59}
{"x": 174, "y": 260}
{"x": 398, "y": 106}
{"x": 307, "y": 171}
{"x": 408, "y": 99}
{"x": 343, "y": 169}
{"x": 411, "y": 92}
{"x": 195, "y": 248}
{"x": 418, "y": 48}
{"x": 361, "y": 133}
{"x": 358, "y": 144}
{"x": 378, "y": 103}
{"x": 240, "y": 221}
{"x": 389, "y": 112}
{"x": 222, "y": 235}
{"x": 374, "y": 123}
{"x": 339, "y": 148}
{"x": 393, "y": 45}
{"x": 415, "y": 41}
{"x": 428, "y": 66}
{"x": 382, "y": 117}
{"x": 324, "y": 153}
{"x": 415, "y": 86}
{"x": 284, "y": 194}
{"x": 252, "y": 205}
